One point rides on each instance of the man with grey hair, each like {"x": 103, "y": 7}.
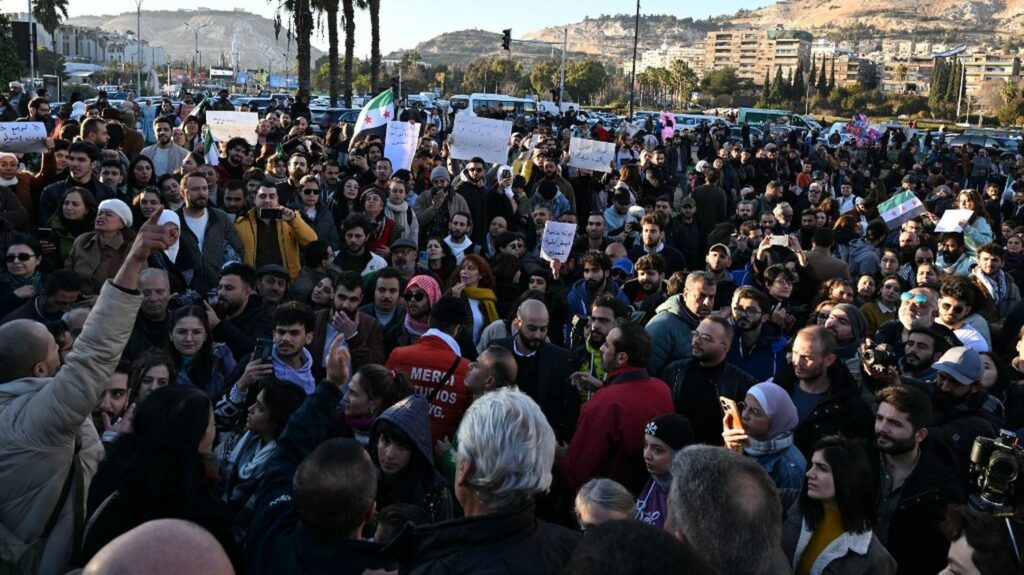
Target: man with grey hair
{"x": 505, "y": 454}
{"x": 726, "y": 507}
{"x": 672, "y": 328}
{"x": 153, "y": 324}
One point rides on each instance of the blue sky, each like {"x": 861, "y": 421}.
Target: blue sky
{"x": 421, "y": 20}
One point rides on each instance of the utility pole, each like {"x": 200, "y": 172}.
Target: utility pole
{"x": 138, "y": 46}
{"x": 561, "y": 80}
{"x": 632, "y": 75}
{"x": 31, "y": 51}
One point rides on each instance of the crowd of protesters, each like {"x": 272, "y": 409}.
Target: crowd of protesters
{"x": 293, "y": 358}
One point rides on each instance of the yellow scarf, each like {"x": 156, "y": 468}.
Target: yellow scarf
{"x": 487, "y": 300}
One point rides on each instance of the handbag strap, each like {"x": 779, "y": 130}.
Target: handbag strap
{"x": 65, "y": 490}
{"x": 440, "y": 383}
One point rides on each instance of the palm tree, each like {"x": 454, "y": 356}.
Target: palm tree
{"x": 374, "y": 8}
{"x": 348, "y": 13}
{"x": 329, "y": 8}
{"x": 49, "y": 14}
{"x": 302, "y": 14}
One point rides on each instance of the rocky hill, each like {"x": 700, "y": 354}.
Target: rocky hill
{"x": 251, "y": 35}
{"x": 610, "y": 37}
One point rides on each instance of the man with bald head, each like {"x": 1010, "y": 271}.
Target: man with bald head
{"x": 46, "y": 435}
{"x": 543, "y": 368}
{"x": 162, "y": 547}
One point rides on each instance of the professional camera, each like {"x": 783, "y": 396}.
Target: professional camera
{"x": 187, "y": 297}
{"x": 996, "y": 466}
{"x": 882, "y": 355}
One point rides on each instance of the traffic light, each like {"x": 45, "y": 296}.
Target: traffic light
{"x": 506, "y": 40}
{"x": 396, "y": 88}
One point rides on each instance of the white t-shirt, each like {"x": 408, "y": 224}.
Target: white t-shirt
{"x": 198, "y": 226}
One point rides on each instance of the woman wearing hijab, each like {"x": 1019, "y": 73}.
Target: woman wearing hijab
{"x": 175, "y": 261}
{"x": 768, "y": 419}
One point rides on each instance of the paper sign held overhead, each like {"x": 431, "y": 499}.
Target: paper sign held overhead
{"x": 950, "y": 221}
{"x": 481, "y": 137}
{"x": 400, "y": 144}
{"x": 591, "y": 154}
{"x": 227, "y": 125}
{"x": 22, "y": 137}
{"x": 557, "y": 242}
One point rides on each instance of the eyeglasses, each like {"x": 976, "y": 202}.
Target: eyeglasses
{"x": 311, "y": 192}
{"x": 918, "y": 298}
{"x": 957, "y": 308}
{"x": 414, "y": 296}
{"x": 703, "y": 337}
{"x": 749, "y": 312}
{"x": 11, "y": 258}
{"x": 823, "y": 316}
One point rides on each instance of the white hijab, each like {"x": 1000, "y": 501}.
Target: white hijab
{"x": 169, "y": 217}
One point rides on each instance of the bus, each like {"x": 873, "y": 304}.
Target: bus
{"x": 484, "y": 105}
{"x": 758, "y": 117}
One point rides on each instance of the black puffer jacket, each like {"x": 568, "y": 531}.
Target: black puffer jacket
{"x": 507, "y": 543}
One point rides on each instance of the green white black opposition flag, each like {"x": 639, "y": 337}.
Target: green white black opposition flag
{"x": 373, "y": 119}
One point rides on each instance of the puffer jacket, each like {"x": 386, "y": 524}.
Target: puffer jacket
{"x": 40, "y": 420}
{"x": 671, "y": 331}
{"x": 430, "y": 491}
{"x": 290, "y": 235}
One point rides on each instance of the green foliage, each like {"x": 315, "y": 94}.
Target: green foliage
{"x": 583, "y": 79}
{"x": 799, "y": 89}
{"x": 822, "y": 85}
{"x": 722, "y": 81}
{"x": 11, "y": 67}
{"x": 544, "y": 77}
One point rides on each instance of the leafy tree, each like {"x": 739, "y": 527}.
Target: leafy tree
{"x": 767, "y": 87}
{"x": 544, "y": 77}
{"x": 777, "y": 90}
{"x": 722, "y": 81}
{"x": 348, "y": 14}
{"x": 373, "y": 6}
{"x": 583, "y": 79}
{"x": 684, "y": 78}
{"x": 328, "y": 9}
{"x": 300, "y": 13}
{"x": 11, "y": 66}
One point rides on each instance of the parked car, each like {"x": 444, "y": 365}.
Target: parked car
{"x": 324, "y": 118}
{"x": 989, "y": 143}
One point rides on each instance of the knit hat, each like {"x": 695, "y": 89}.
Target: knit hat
{"x": 440, "y": 172}
{"x": 428, "y": 285}
{"x": 118, "y": 207}
{"x": 777, "y": 405}
{"x": 674, "y": 429}
{"x": 857, "y": 322}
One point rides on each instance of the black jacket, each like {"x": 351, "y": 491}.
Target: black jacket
{"x": 698, "y": 401}
{"x": 505, "y": 543}
{"x": 240, "y": 333}
{"x": 49, "y": 199}
{"x": 842, "y": 412}
{"x": 277, "y": 541}
{"x": 476, "y": 196}
{"x": 557, "y": 398}
{"x": 958, "y": 426}
{"x": 914, "y": 538}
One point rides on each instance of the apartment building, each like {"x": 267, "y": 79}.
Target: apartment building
{"x": 754, "y": 52}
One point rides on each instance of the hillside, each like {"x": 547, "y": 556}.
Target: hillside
{"x": 610, "y": 37}
{"x": 252, "y": 35}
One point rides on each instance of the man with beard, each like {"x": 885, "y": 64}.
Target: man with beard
{"x": 918, "y": 308}
{"x": 551, "y": 176}
{"x": 953, "y": 259}
{"x": 232, "y": 167}
{"x": 382, "y": 172}
{"x": 494, "y": 369}
{"x": 998, "y": 288}
{"x": 82, "y": 158}
{"x": 808, "y": 225}
{"x": 404, "y": 260}
{"x": 744, "y": 212}
{"x": 683, "y": 231}
{"x": 652, "y": 234}
{"x": 647, "y": 290}
{"x": 458, "y": 238}
{"x": 827, "y": 399}
{"x": 420, "y": 295}
{"x": 207, "y": 233}
{"x": 754, "y": 350}
{"x": 915, "y": 478}
{"x": 847, "y": 324}
{"x": 290, "y": 360}
{"x": 362, "y": 333}
{"x": 239, "y": 317}
{"x": 234, "y": 198}
{"x": 113, "y": 402}
{"x": 153, "y": 325}
{"x": 165, "y": 154}
{"x": 435, "y": 206}
{"x": 596, "y": 280}
{"x": 593, "y": 238}
{"x": 698, "y": 381}
{"x": 718, "y": 261}
{"x": 288, "y": 190}
{"x": 330, "y": 177}
{"x": 958, "y": 400}
{"x": 585, "y": 358}
{"x": 387, "y": 289}
{"x": 672, "y": 328}
{"x": 472, "y": 190}
{"x": 748, "y": 238}
{"x": 543, "y": 368}
{"x": 272, "y": 285}
{"x": 355, "y": 257}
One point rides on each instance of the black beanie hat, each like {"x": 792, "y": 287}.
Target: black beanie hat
{"x": 674, "y": 429}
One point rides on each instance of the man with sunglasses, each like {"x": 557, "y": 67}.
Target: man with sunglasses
{"x": 918, "y": 309}
{"x": 472, "y": 189}
{"x": 958, "y": 298}
{"x": 315, "y": 212}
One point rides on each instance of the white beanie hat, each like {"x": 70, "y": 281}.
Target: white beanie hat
{"x": 118, "y": 207}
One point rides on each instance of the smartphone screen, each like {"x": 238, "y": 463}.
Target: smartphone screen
{"x": 270, "y": 213}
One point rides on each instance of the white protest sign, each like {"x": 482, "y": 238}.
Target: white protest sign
{"x": 481, "y": 137}
{"x": 557, "y": 241}
{"x": 227, "y": 125}
{"x": 951, "y": 219}
{"x": 22, "y": 137}
{"x": 534, "y": 139}
{"x": 400, "y": 144}
{"x": 591, "y": 154}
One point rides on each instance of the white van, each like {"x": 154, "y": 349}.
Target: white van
{"x": 484, "y": 105}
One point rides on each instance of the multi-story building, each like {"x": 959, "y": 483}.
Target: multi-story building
{"x": 985, "y": 66}
{"x": 753, "y": 53}
{"x": 854, "y": 71}
{"x": 911, "y": 75}
{"x": 95, "y": 46}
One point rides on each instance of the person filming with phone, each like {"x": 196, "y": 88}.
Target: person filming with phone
{"x": 272, "y": 234}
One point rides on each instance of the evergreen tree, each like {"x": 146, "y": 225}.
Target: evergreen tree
{"x": 953, "y": 84}
{"x": 799, "y": 88}
{"x": 813, "y": 76}
{"x": 939, "y": 84}
{"x": 822, "y": 85}
{"x": 832, "y": 77}
{"x": 766, "y": 90}
{"x": 775, "y": 94}
{"x": 787, "y": 93}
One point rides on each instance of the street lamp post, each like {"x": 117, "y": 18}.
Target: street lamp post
{"x": 138, "y": 46}
{"x": 632, "y": 75}
{"x": 195, "y": 58}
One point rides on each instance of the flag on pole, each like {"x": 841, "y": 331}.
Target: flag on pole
{"x": 1007, "y": 195}
{"x": 900, "y": 208}
{"x": 373, "y": 119}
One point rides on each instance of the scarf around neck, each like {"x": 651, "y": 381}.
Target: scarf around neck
{"x": 995, "y": 286}
{"x": 487, "y": 301}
